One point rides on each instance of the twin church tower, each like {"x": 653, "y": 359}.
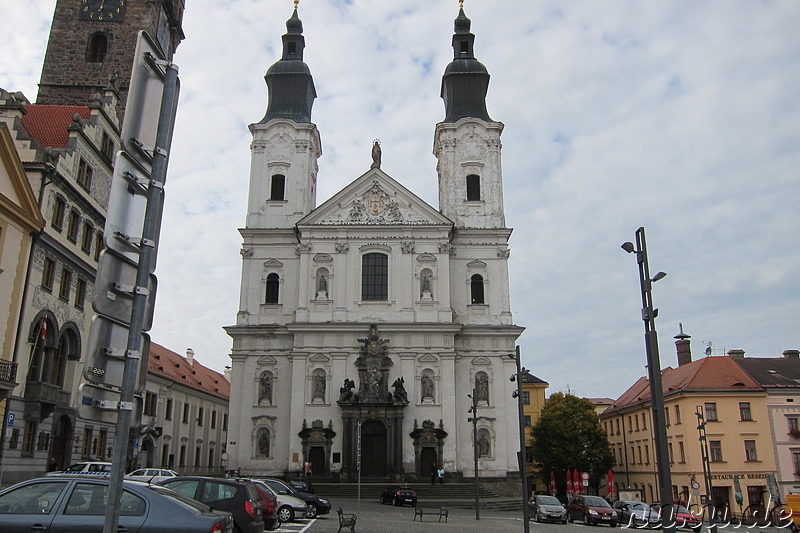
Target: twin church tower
{"x": 371, "y": 317}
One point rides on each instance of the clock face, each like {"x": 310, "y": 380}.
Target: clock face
{"x": 102, "y": 10}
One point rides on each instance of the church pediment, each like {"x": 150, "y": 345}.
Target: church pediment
{"x": 266, "y": 360}
{"x": 319, "y": 358}
{"x": 375, "y": 199}
{"x": 427, "y": 358}
{"x": 481, "y": 361}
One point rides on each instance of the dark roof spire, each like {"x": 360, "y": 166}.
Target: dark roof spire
{"x": 465, "y": 80}
{"x": 289, "y": 82}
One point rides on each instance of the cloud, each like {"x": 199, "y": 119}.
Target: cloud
{"x": 680, "y": 117}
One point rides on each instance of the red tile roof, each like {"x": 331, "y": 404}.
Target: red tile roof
{"x": 166, "y": 363}
{"x": 47, "y": 124}
{"x": 707, "y": 374}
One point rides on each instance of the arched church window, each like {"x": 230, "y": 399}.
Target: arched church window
{"x": 476, "y": 289}
{"x": 473, "y": 188}
{"x": 273, "y": 288}
{"x": 277, "y": 189}
{"x": 96, "y": 48}
{"x": 375, "y": 276}
{"x": 265, "y": 386}
{"x": 482, "y": 387}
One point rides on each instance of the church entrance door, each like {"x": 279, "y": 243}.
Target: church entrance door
{"x": 316, "y": 456}
{"x": 427, "y": 461}
{"x": 373, "y": 449}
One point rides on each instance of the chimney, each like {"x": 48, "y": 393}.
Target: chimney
{"x": 736, "y": 354}
{"x": 228, "y": 373}
{"x": 190, "y": 356}
{"x": 791, "y": 354}
{"x": 682, "y": 347}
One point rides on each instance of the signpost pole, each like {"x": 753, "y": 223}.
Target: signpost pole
{"x": 146, "y": 256}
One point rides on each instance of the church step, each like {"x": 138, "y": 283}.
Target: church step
{"x": 425, "y": 492}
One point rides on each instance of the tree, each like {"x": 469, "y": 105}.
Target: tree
{"x": 568, "y": 435}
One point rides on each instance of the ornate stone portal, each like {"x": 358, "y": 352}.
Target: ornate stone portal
{"x": 375, "y": 413}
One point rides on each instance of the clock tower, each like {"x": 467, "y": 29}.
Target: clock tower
{"x": 91, "y": 40}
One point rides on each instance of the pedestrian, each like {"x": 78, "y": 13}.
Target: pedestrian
{"x": 441, "y": 475}
{"x": 434, "y": 472}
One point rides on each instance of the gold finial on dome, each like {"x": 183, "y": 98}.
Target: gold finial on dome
{"x": 298, "y": 1}
{"x": 460, "y": 4}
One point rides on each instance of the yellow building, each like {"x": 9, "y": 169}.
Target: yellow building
{"x": 735, "y": 409}
{"x": 533, "y": 400}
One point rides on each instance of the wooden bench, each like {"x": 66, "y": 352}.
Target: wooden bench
{"x": 346, "y": 520}
{"x": 420, "y": 512}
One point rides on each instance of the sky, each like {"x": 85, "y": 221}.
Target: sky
{"x": 682, "y": 117}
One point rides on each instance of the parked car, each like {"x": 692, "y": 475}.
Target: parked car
{"x": 592, "y": 510}
{"x": 683, "y": 517}
{"x": 93, "y": 467}
{"x": 151, "y": 475}
{"x": 546, "y": 508}
{"x": 302, "y": 485}
{"x": 315, "y": 505}
{"x": 237, "y": 497}
{"x": 631, "y": 513}
{"x": 69, "y": 503}
{"x": 397, "y": 495}
{"x": 288, "y": 507}
{"x": 269, "y": 505}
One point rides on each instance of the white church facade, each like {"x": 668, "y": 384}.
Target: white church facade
{"x": 369, "y": 319}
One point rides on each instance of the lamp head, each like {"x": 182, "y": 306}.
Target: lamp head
{"x": 514, "y": 394}
{"x": 512, "y": 378}
{"x": 628, "y": 247}
{"x": 660, "y": 275}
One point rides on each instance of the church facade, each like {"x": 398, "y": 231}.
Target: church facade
{"x": 369, "y": 324}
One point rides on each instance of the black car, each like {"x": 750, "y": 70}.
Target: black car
{"x": 397, "y": 495}
{"x": 239, "y": 498}
{"x": 64, "y": 502}
{"x": 303, "y": 485}
{"x": 314, "y": 504}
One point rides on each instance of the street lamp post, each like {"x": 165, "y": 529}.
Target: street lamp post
{"x": 473, "y": 410}
{"x": 649, "y": 314}
{"x": 701, "y": 430}
{"x": 523, "y": 455}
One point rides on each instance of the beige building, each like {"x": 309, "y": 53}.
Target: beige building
{"x": 184, "y": 423}
{"x": 20, "y": 218}
{"x": 738, "y": 429}
{"x": 533, "y": 400}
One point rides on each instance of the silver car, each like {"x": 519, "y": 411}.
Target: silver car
{"x": 289, "y": 507}
{"x": 151, "y": 475}
{"x": 546, "y": 508}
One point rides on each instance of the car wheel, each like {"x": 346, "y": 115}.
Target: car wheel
{"x": 586, "y": 520}
{"x": 613, "y": 523}
{"x": 285, "y": 514}
{"x": 569, "y": 517}
{"x": 382, "y": 500}
{"x": 564, "y": 521}
{"x": 396, "y": 502}
{"x": 311, "y": 510}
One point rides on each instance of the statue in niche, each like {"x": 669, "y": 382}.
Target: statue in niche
{"x": 322, "y": 289}
{"x": 425, "y": 288}
{"x": 483, "y": 445}
{"x": 482, "y": 387}
{"x": 400, "y": 393}
{"x": 265, "y": 389}
{"x": 318, "y": 388}
{"x": 263, "y": 443}
{"x": 374, "y": 383}
{"x": 427, "y": 388}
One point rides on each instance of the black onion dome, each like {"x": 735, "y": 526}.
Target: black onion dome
{"x": 289, "y": 81}
{"x": 465, "y": 81}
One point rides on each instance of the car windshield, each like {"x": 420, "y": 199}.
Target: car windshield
{"x": 638, "y": 506}
{"x": 548, "y": 500}
{"x": 78, "y": 467}
{"x": 596, "y": 501}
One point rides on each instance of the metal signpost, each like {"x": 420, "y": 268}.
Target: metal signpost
{"x": 118, "y": 346}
